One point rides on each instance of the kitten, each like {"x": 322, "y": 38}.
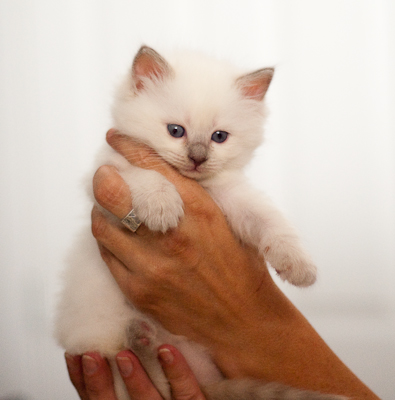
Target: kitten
{"x": 205, "y": 119}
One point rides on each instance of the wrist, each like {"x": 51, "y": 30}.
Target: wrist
{"x": 283, "y": 347}
{"x": 257, "y": 344}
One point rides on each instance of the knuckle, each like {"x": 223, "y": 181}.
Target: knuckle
{"x": 147, "y": 300}
{"x": 93, "y": 388}
{"x": 185, "y": 388}
{"x": 99, "y": 225}
{"x": 97, "y": 390}
{"x": 203, "y": 210}
{"x": 176, "y": 243}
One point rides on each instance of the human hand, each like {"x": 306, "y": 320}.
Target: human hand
{"x": 92, "y": 377}
{"x": 195, "y": 278}
{"x": 198, "y": 280}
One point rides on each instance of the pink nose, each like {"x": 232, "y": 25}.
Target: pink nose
{"x": 197, "y": 152}
{"x": 197, "y": 160}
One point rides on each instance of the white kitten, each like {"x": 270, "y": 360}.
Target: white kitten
{"x": 205, "y": 119}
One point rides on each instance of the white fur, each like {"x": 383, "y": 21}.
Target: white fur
{"x": 202, "y": 96}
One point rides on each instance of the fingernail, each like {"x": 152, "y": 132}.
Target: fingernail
{"x": 166, "y": 355}
{"x": 125, "y": 366}
{"x": 89, "y": 364}
{"x": 73, "y": 362}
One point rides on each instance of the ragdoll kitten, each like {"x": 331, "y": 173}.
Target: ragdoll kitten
{"x": 205, "y": 119}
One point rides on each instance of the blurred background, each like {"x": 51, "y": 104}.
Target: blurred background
{"x": 328, "y": 160}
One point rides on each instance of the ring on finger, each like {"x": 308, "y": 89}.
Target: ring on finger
{"x": 131, "y": 221}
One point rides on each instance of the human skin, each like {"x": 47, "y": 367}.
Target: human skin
{"x": 91, "y": 376}
{"x": 199, "y": 281}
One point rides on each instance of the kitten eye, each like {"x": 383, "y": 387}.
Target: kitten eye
{"x": 176, "y": 131}
{"x": 219, "y": 136}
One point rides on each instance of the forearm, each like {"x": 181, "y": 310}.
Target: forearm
{"x": 280, "y": 345}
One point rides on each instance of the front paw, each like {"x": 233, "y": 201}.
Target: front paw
{"x": 160, "y": 208}
{"x": 291, "y": 264}
{"x": 298, "y": 272}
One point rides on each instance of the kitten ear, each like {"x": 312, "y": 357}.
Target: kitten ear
{"x": 254, "y": 85}
{"x": 148, "y": 64}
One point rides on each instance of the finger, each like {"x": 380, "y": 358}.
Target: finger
{"x": 137, "y": 382}
{"x": 122, "y": 275}
{"x": 97, "y": 377}
{"x": 140, "y": 155}
{"x": 108, "y": 233}
{"x": 111, "y": 191}
{"x": 144, "y": 157}
{"x": 182, "y": 380}
{"x": 129, "y": 248}
{"x": 74, "y": 368}
{"x": 117, "y": 268}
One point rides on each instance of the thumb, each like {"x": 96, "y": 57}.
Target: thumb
{"x": 143, "y": 156}
{"x": 182, "y": 381}
{"x": 140, "y": 154}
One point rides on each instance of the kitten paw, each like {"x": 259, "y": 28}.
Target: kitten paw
{"x": 301, "y": 274}
{"x": 159, "y": 209}
{"x": 142, "y": 338}
{"x": 291, "y": 264}
{"x": 144, "y": 342}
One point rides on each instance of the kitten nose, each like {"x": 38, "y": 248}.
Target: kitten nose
{"x": 197, "y": 153}
{"x": 197, "y": 161}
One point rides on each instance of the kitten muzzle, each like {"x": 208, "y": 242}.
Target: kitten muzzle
{"x": 198, "y": 153}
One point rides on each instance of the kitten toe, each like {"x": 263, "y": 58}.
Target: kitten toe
{"x": 290, "y": 261}
{"x": 144, "y": 342}
{"x": 142, "y": 338}
{"x": 302, "y": 275}
{"x": 160, "y": 210}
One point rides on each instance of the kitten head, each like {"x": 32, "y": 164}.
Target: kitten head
{"x": 199, "y": 114}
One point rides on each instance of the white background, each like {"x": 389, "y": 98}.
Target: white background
{"x": 328, "y": 161}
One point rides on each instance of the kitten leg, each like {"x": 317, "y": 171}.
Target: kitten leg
{"x": 289, "y": 259}
{"x": 257, "y": 222}
{"x": 155, "y": 200}
{"x": 144, "y": 342}
{"x": 92, "y": 313}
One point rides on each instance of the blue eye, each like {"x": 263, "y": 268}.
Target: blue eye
{"x": 219, "y": 136}
{"x": 176, "y": 131}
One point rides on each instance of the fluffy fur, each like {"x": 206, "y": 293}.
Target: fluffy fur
{"x": 202, "y": 96}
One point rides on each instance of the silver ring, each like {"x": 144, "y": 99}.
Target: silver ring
{"x": 131, "y": 221}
